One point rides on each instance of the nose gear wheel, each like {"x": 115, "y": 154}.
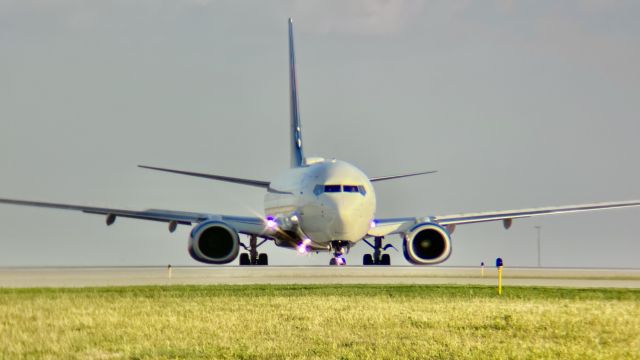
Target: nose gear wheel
{"x": 338, "y": 252}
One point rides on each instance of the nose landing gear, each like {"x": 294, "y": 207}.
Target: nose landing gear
{"x": 377, "y": 258}
{"x": 253, "y": 258}
{"x": 338, "y": 252}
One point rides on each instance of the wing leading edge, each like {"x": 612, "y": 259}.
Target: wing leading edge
{"x": 394, "y": 226}
{"x": 244, "y": 225}
{"x": 514, "y": 214}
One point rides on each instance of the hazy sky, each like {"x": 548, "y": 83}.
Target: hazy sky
{"x": 517, "y": 104}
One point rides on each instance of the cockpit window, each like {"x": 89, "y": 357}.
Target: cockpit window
{"x": 350, "y": 188}
{"x": 320, "y": 189}
{"x": 332, "y": 188}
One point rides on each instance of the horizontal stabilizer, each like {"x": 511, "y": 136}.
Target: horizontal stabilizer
{"x": 391, "y": 177}
{"x": 250, "y": 182}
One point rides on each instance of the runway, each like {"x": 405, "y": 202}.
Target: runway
{"x": 127, "y": 276}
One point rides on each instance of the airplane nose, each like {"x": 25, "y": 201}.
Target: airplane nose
{"x": 347, "y": 213}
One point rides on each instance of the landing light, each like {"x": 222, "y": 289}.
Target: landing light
{"x": 302, "y": 247}
{"x": 271, "y": 223}
{"x": 372, "y": 224}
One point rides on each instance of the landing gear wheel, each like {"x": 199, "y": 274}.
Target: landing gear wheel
{"x": 339, "y": 247}
{"x": 377, "y": 258}
{"x": 244, "y": 259}
{"x": 253, "y": 258}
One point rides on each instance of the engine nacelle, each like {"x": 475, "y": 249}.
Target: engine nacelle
{"x": 214, "y": 242}
{"x": 427, "y": 244}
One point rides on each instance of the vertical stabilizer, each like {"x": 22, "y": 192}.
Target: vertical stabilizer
{"x": 297, "y": 156}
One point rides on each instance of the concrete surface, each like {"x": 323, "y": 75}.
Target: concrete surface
{"x": 121, "y": 276}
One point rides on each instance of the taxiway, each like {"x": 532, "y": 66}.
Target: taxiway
{"x": 126, "y": 276}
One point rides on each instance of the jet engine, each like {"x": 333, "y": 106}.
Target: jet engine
{"x": 214, "y": 242}
{"x": 427, "y": 244}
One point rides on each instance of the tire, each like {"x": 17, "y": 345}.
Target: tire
{"x": 263, "y": 259}
{"x": 385, "y": 259}
{"x": 333, "y": 262}
{"x": 244, "y": 259}
{"x": 367, "y": 259}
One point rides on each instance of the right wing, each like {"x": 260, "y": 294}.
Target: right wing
{"x": 385, "y": 227}
{"x": 244, "y": 225}
{"x": 523, "y": 213}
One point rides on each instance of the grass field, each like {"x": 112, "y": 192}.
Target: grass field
{"x": 346, "y": 322}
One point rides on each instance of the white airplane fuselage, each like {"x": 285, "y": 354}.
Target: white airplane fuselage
{"x": 328, "y": 200}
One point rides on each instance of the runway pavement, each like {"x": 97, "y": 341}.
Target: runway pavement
{"x": 124, "y": 276}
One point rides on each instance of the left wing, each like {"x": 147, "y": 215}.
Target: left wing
{"x": 244, "y": 225}
{"x": 394, "y": 226}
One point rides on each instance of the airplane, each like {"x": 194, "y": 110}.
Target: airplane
{"x": 317, "y": 205}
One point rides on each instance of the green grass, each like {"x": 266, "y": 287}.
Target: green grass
{"x": 347, "y": 322}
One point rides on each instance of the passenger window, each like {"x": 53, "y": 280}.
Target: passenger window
{"x": 332, "y": 188}
{"x": 350, "y": 188}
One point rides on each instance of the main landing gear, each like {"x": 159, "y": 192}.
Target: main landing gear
{"x": 338, "y": 252}
{"x": 253, "y": 257}
{"x": 377, "y": 258}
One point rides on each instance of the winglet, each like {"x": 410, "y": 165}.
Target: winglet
{"x": 297, "y": 155}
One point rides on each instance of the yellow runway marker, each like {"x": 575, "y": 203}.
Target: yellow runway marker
{"x": 500, "y": 280}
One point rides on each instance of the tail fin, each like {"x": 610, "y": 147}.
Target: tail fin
{"x": 297, "y": 155}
